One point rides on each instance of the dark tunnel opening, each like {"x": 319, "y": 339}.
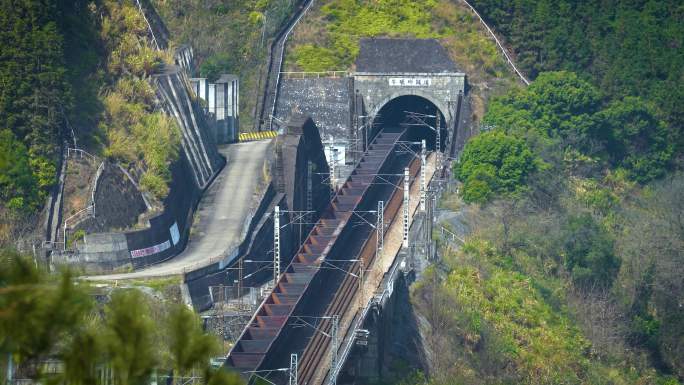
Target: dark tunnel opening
{"x": 393, "y": 116}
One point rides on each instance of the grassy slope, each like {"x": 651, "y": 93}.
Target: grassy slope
{"x": 118, "y": 119}
{"x": 327, "y": 39}
{"x": 228, "y": 37}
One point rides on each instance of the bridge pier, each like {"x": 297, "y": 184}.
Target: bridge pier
{"x": 393, "y": 347}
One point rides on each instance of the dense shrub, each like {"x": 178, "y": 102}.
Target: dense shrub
{"x": 559, "y": 112}
{"x": 627, "y": 48}
{"x": 18, "y": 188}
{"x": 589, "y": 253}
{"x": 557, "y": 105}
{"x": 493, "y": 163}
{"x": 636, "y": 139}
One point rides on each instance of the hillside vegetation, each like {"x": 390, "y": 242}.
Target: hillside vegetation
{"x": 626, "y": 48}
{"x": 77, "y": 73}
{"x": 138, "y": 338}
{"x": 228, "y": 37}
{"x": 595, "y": 223}
{"x": 328, "y": 38}
{"x": 33, "y": 96}
{"x": 570, "y": 274}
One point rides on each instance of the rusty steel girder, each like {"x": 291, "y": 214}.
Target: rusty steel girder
{"x": 269, "y": 321}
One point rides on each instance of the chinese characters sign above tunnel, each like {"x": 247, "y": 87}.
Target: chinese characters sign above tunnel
{"x": 410, "y": 82}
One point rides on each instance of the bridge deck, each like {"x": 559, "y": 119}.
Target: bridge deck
{"x": 269, "y": 320}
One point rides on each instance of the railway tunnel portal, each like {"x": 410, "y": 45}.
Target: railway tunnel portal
{"x": 401, "y": 91}
{"x": 417, "y": 114}
{"x": 391, "y": 76}
{"x": 411, "y": 82}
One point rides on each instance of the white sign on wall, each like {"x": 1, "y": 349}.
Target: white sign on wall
{"x": 410, "y": 82}
{"x": 338, "y": 156}
{"x": 175, "y": 234}
{"x": 150, "y": 250}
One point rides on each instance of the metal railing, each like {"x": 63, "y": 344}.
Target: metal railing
{"x": 149, "y": 26}
{"x": 280, "y": 60}
{"x": 501, "y": 47}
{"x": 88, "y": 211}
{"x": 79, "y": 216}
{"x": 316, "y": 75}
{"x": 93, "y": 190}
{"x": 450, "y": 235}
{"x": 79, "y": 153}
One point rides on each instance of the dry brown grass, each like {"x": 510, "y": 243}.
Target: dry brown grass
{"x": 79, "y": 178}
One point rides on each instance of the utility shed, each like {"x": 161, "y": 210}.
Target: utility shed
{"x": 403, "y": 56}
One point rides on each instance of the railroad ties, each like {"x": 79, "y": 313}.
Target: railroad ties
{"x": 270, "y": 319}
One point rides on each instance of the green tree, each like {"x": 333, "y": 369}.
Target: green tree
{"x": 556, "y": 105}
{"x": 129, "y": 338}
{"x": 34, "y": 89}
{"x": 189, "y": 347}
{"x": 636, "y": 139}
{"x": 494, "y": 163}
{"x": 17, "y": 184}
{"x": 82, "y": 353}
{"x": 217, "y": 64}
{"x": 37, "y": 311}
{"x": 589, "y": 254}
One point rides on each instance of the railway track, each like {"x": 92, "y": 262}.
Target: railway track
{"x": 267, "y": 329}
{"x": 319, "y": 346}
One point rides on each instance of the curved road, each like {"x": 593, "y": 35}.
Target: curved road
{"x": 222, "y": 214}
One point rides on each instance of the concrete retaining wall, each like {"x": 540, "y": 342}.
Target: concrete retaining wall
{"x": 165, "y": 237}
{"x": 167, "y": 234}
{"x": 326, "y": 100}
{"x": 198, "y": 145}
{"x": 298, "y": 147}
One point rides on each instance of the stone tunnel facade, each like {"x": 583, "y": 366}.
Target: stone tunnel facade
{"x": 386, "y": 69}
{"x": 375, "y": 90}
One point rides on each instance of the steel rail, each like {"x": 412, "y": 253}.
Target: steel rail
{"x": 267, "y": 324}
{"x": 319, "y": 345}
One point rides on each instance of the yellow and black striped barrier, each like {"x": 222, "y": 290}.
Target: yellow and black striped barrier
{"x": 261, "y": 135}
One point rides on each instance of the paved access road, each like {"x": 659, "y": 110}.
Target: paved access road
{"x": 222, "y": 215}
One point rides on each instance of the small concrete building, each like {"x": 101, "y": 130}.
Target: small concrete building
{"x": 227, "y": 106}
{"x": 221, "y": 103}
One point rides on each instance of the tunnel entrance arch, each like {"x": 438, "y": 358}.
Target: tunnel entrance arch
{"x": 391, "y": 70}
{"x": 394, "y": 114}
